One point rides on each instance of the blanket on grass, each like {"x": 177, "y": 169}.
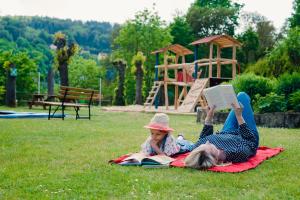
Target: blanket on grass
{"x": 263, "y": 153}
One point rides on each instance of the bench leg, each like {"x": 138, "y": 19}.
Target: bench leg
{"x": 49, "y": 112}
{"x": 76, "y": 110}
{"x": 89, "y": 113}
{"x": 54, "y": 110}
{"x": 63, "y": 112}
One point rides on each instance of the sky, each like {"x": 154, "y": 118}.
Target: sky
{"x": 118, "y": 11}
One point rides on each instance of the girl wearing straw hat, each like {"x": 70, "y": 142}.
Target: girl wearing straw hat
{"x": 160, "y": 141}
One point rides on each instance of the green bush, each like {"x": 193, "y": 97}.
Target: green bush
{"x": 270, "y": 103}
{"x": 294, "y": 101}
{"x": 261, "y": 67}
{"x": 288, "y": 83}
{"x": 252, "y": 85}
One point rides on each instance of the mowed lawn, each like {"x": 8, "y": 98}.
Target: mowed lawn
{"x": 41, "y": 159}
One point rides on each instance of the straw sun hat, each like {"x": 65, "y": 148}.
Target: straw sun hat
{"x": 160, "y": 121}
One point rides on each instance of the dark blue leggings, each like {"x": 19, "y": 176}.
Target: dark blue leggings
{"x": 231, "y": 122}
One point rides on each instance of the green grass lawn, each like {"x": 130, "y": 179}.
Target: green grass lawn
{"x": 41, "y": 159}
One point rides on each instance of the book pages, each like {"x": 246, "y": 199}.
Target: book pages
{"x": 161, "y": 159}
{"x": 221, "y": 96}
{"x": 140, "y": 158}
{"x": 136, "y": 158}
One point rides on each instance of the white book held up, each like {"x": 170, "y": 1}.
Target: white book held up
{"x": 222, "y": 96}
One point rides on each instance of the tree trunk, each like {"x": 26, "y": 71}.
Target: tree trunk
{"x": 120, "y": 91}
{"x": 63, "y": 73}
{"x": 251, "y": 56}
{"x": 10, "y": 97}
{"x": 139, "y": 85}
{"x": 50, "y": 81}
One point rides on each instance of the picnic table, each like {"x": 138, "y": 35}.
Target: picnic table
{"x": 40, "y": 99}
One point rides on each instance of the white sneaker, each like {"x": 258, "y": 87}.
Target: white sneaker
{"x": 180, "y": 137}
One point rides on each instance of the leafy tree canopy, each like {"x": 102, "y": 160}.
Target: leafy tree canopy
{"x": 26, "y": 71}
{"x": 181, "y": 31}
{"x": 84, "y": 73}
{"x": 295, "y": 19}
{"x": 213, "y": 17}
{"x": 213, "y": 3}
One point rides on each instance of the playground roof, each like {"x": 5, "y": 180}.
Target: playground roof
{"x": 222, "y": 40}
{"x": 175, "y": 48}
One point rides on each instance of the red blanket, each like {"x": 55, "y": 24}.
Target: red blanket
{"x": 263, "y": 153}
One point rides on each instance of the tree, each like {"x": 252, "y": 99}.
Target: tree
{"x": 181, "y": 31}
{"x": 120, "y": 65}
{"x": 138, "y": 61}
{"x": 284, "y": 58}
{"x": 145, "y": 33}
{"x": 250, "y": 42}
{"x": 264, "y": 29}
{"x": 20, "y": 71}
{"x": 50, "y": 81}
{"x": 84, "y": 73}
{"x": 10, "y": 97}
{"x": 266, "y": 33}
{"x": 108, "y": 73}
{"x": 293, "y": 46}
{"x": 64, "y": 52}
{"x": 250, "y": 20}
{"x": 213, "y": 17}
{"x": 295, "y": 19}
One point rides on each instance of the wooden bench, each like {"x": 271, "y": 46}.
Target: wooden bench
{"x": 73, "y": 97}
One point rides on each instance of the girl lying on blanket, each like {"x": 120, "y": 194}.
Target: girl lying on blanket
{"x": 161, "y": 140}
{"x": 237, "y": 142}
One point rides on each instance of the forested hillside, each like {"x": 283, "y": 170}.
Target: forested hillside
{"x": 92, "y": 36}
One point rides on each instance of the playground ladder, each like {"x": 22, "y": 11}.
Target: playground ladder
{"x": 152, "y": 94}
{"x": 193, "y": 96}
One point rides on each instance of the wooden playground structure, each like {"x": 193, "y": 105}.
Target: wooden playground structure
{"x": 186, "y": 77}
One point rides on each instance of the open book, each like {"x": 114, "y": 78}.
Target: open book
{"x": 142, "y": 159}
{"x": 222, "y": 96}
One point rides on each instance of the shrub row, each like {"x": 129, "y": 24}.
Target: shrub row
{"x": 270, "y": 94}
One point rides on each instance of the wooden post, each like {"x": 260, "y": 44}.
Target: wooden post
{"x": 176, "y": 86}
{"x": 233, "y": 61}
{"x": 196, "y": 58}
{"x": 210, "y": 60}
{"x": 156, "y": 78}
{"x": 165, "y": 81}
{"x": 218, "y": 61}
{"x": 184, "y": 76}
{"x": 176, "y": 97}
{"x": 176, "y": 70}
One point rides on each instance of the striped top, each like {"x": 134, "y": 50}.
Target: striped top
{"x": 238, "y": 145}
